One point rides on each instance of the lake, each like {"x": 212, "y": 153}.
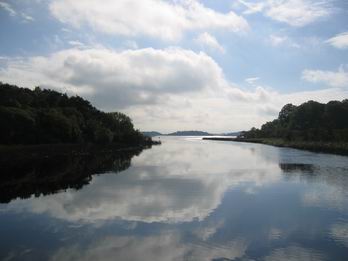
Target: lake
{"x": 187, "y": 199}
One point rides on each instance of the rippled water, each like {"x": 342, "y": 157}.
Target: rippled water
{"x": 187, "y": 199}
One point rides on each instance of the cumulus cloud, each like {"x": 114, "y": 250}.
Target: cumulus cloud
{"x": 206, "y": 39}
{"x": 296, "y": 13}
{"x": 117, "y": 79}
{"x": 339, "y": 41}
{"x": 331, "y": 78}
{"x": 153, "y": 86}
{"x": 162, "y": 89}
{"x": 167, "y": 20}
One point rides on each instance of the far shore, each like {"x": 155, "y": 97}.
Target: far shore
{"x": 339, "y": 148}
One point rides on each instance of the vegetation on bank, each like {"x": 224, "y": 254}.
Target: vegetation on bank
{"x": 310, "y": 121}
{"x": 188, "y": 133}
{"x": 312, "y": 126}
{"x": 325, "y": 147}
{"x": 43, "y": 116}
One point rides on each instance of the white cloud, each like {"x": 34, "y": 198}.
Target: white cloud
{"x": 27, "y": 17}
{"x": 331, "y": 78}
{"x": 161, "y": 89}
{"x": 323, "y": 96}
{"x": 206, "y": 39}
{"x": 293, "y": 12}
{"x": 76, "y": 43}
{"x": 252, "y": 8}
{"x": 252, "y": 80}
{"x": 339, "y": 41}
{"x": 116, "y": 79}
{"x": 276, "y": 40}
{"x": 167, "y": 20}
{"x": 12, "y": 12}
{"x": 8, "y": 8}
{"x": 298, "y": 12}
{"x": 157, "y": 88}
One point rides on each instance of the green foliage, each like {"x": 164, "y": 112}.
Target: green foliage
{"x": 43, "y": 116}
{"x": 17, "y": 125}
{"x": 310, "y": 121}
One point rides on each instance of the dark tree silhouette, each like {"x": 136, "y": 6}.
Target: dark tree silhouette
{"x": 43, "y": 116}
{"x": 310, "y": 121}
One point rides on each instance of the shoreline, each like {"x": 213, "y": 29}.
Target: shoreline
{"x": 319, "y": 147}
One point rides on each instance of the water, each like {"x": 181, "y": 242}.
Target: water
{"x": 187, "y": 199}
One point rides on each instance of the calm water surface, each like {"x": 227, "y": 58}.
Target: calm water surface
{"x": 187, "y": 199}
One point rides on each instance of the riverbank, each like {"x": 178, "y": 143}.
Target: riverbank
{"x": 339, "y": 148}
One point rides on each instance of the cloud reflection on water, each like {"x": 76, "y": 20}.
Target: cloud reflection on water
{"x": 196, "y": 200}
{"x": 165, "y": 247}
{"x": 171, "y": 183}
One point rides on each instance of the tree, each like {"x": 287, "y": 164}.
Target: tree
{"x": 47, "y": 116}
{"x": 285, "y": 114}
{"x": 311, "y": 121}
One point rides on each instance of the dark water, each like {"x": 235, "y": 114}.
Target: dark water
{"x": 184, "y": 200}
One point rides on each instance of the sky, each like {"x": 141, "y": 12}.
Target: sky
{"x": 212, "y": 65}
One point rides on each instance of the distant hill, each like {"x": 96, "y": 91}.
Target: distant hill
{"x": 151, "y": 133}
{"x": 190, "y": 133}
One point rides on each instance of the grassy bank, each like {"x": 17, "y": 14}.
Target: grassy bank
{"x": 340, "y": 148}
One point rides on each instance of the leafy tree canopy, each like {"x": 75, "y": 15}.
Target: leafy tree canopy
{"x": 42, "y": 116}
{"x": 310, "y": 121}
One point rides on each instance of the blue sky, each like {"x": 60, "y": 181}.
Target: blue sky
{"x": 180, "y": 64}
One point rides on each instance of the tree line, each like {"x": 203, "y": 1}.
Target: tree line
{"x": 43, "y": 116}
{"x": 310, "y": 121}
